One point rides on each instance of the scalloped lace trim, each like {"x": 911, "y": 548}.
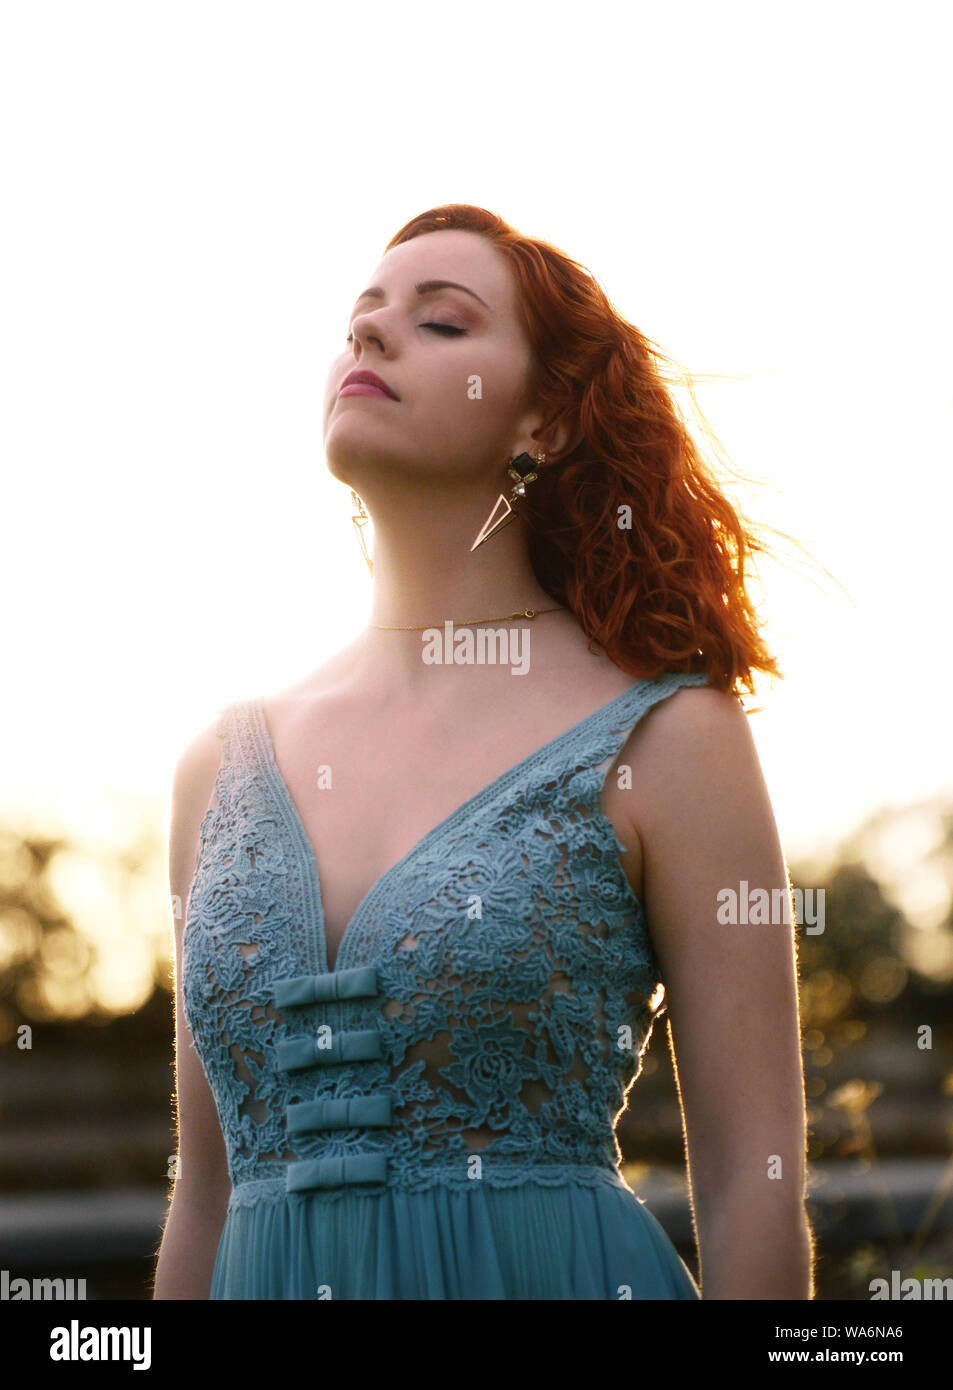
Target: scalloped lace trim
{"x": 271, "y": 1191}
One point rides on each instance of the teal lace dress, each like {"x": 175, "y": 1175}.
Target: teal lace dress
{"x": 434, "y": 1116}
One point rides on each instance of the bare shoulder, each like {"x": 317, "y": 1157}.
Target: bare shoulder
{"x": 695, "y": 743}
{"x": 193, "y": 784}
{"x": 197, "y": 765}
{"x": 693, "y": 713}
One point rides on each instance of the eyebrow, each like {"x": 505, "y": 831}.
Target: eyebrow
{"x": 423, "y": 287}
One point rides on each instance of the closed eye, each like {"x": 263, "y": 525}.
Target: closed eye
{"x": 438, "y": 327}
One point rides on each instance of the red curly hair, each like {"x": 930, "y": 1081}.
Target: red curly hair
{"x": 667, "y": 592}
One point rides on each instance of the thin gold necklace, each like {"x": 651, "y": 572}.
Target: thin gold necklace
{"x": 528, "y": 613}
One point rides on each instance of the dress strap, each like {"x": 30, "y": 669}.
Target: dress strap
{"x": 623, "y": 716}
{"x": 238, "y": 758}
{"x": 234, "y": 725}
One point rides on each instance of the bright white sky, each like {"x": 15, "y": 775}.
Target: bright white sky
{"x": 196, "y": 193}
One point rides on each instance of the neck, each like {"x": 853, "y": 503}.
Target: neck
{"x": 426, "y": 574}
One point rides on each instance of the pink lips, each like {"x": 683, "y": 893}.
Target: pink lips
{"x": 363, "y": 388}
{"x": 365, "y": 383}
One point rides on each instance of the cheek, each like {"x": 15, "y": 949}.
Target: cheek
{"x": 467, "y": 405}
{"x": 491, "y": 382}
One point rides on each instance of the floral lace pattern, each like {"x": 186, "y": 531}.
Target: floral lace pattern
{"x": 514, "y": 983}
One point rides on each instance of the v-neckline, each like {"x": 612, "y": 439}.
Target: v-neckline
{"x": 309, "y": 859}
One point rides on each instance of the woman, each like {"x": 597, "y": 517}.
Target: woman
{"x": 434, "y": 889}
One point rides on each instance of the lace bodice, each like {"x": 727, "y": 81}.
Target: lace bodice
{"x": 492, "y": 995}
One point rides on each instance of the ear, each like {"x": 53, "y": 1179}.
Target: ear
{"x": 558, "y": 443}
{"x": 559, "y": 440}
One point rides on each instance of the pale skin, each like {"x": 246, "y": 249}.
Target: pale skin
{"x": 407, "y": 743}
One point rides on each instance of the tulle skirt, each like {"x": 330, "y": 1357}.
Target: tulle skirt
{"x": 574, "y": 1241}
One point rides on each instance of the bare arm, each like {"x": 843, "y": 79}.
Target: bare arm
{"x": 200, "y": 1196}
{"x": 700, "y": 810}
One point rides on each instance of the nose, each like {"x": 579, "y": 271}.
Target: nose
{"x": 365, "y": 330}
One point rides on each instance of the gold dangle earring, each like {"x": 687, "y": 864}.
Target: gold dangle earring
{"x": 360, "y": 520}
{"x": 524, "y": 470}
